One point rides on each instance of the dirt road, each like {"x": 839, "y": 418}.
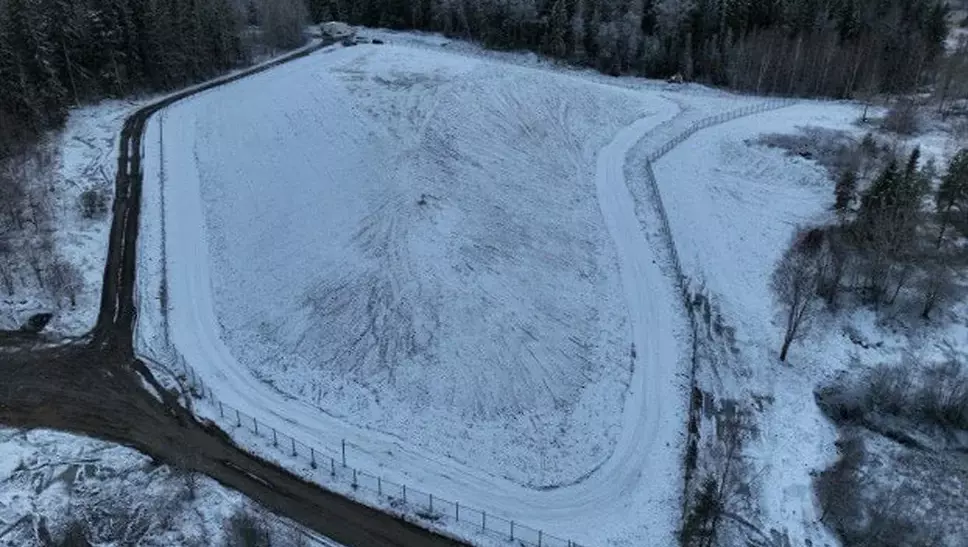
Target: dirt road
{"x": 95, "y": 386}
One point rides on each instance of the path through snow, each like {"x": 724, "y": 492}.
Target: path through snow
{"x": 632, "y": 499}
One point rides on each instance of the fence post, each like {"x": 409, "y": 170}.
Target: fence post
{"x": 540, "y": 533}
{"x": 256, "y": 423}
{"x": 332, "y": 467}
{"x": 512, "y": 530}
{"x": 379, "y": 487}
{"x": 457, "y": 510}
{"x": 238, "y": 419}
{"x": 275, "y": 440}
{"x": 354, "y": 485}
{"x": 484, "y": 520}
{"x": 221, "y": 414}
{"x": 293, "y": 446}
{"x": 431, "y": 502}
{"x": 404, "y": 493}
{"x": 312, "y": 457}
{"x": 344, "y": 452}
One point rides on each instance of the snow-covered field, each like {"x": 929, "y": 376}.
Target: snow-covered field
{"x": 429, "y": 260}
{"x": 49, "y": 480}
{"x": 433, "y": 257}
{"x": 446, "y": 261}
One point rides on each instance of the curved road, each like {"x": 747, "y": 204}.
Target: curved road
{"x": 641, "y": 478}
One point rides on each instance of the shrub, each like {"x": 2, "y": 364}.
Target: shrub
{"x": 935, "y": 395}
{"x": 75, "y": 535}
{"x": 94, "y": 203}
{"x": 698, "y": 527}
{"x": 247, "y": 530}
{"x": 837, "y": 489}
{"x": 902, "y": 118}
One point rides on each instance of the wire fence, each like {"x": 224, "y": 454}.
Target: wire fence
{"x": 656, "y": 154}
{"x": 401, "y": 498}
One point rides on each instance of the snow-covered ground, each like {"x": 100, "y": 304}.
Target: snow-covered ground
{"x": 445, "y": 260}
{"x": 732, "y": 215}
{"x": 433, "y": 257}
{"x": 85, "y": 156}
{"x": 396, "y": 273}
{"x": 49, "y": 480}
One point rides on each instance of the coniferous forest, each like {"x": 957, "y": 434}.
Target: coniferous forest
{"x": 835, "y": 48}
{"x": 59, "y": 53}
{"x": 55, "y": 53}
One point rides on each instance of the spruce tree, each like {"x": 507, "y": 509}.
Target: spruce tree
{"x": 845, "y": 191}
{"x": 953, "y": 192}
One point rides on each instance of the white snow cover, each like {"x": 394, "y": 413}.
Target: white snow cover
{"x": 60, "y": 477}
{"x": 732, "y": 216}
{"x": 367, "y": 216}
{"x": 435, "y": 258}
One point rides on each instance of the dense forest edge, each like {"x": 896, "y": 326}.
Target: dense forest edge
{"x": 55, "y": 54}
{"x": 838, "y": 48}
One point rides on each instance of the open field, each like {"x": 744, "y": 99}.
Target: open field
{"x": 400, "y": 295}
{"x": 446, "y": 261}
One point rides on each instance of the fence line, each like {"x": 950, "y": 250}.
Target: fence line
{"x": 695, "y": 127}
{"x": 425, "y": 505}
{"x": 401, "y": 498}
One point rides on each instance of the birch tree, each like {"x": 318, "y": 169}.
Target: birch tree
{"x": 795, "y": 282}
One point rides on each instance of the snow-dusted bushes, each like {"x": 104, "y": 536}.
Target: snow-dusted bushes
{"x": 246, "y": 529}
{"x": 902, "y": 118}
{"x": 935, "y": 395}
{"x": 881, "y": 493}
{"x": 94, "y": 203}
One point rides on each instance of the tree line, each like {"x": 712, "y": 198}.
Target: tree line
{"x": 900, "y": 237}
{"x": 58, "y": 53}
{"x": 835, "y": 48}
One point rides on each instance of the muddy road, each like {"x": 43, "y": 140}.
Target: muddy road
{"x": 95, "y": 385}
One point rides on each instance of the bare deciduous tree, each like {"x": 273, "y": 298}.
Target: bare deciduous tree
{"x": 39, "y": 252}
{"x": 937, "y": 284}
{"x": 64, "y": 281}
{"x": 796, "y": 281}
{"x": 7, "y": 265}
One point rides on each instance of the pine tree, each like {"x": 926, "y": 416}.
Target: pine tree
{"x": 882, "y": 193}
{"x": 953, "y": 192}
{"x": 845, "y": 191}
{"x": 38, "y": 95}
{"x": 555, "y": 39}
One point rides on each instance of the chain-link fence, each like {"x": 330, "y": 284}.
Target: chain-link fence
{"x": 399, "y": 497}
{"x": 412, "y": 501}
{"x": 655, "y": 155}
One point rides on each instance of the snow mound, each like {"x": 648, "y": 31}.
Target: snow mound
{"x": 411, "y": 241}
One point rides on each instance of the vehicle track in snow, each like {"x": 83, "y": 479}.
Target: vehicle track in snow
{"x": 645, "y": 463}
{"x": 644, "y": 469}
